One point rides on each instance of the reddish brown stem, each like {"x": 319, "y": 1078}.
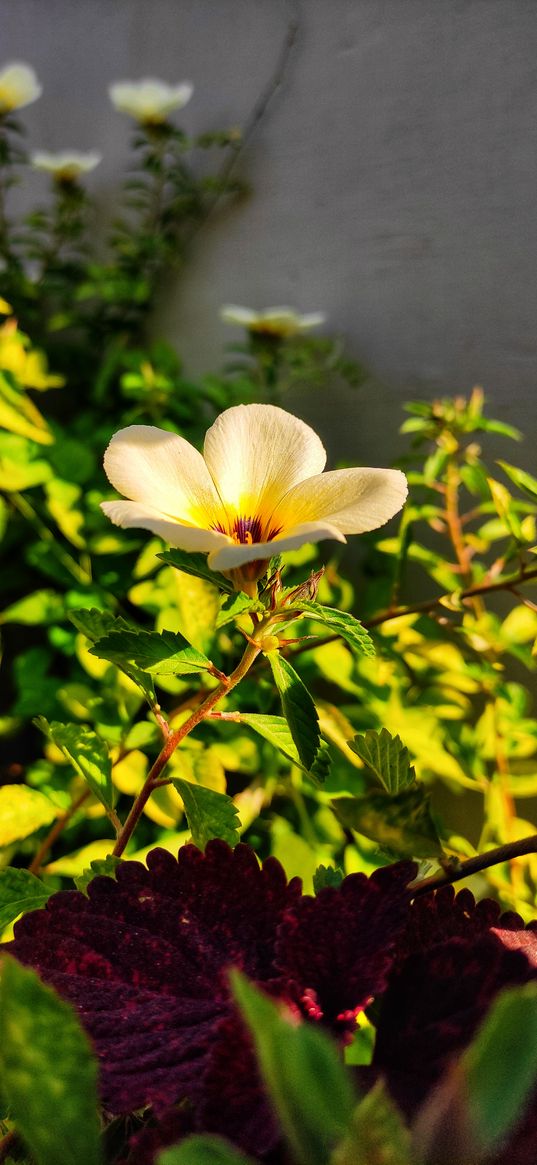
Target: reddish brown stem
{"x": 7, "y": 1144}
{"x": 460, "y": 870}
{"x": 200, "y": 713}
{"x": 55, "y": 832}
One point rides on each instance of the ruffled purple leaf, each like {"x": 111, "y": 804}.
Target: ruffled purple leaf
{"x": 453, "y": 958}
{"x": 145, "y": 959}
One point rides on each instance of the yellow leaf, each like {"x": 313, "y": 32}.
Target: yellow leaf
{"x": 22, "y": 812}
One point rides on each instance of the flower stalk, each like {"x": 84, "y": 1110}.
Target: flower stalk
{"x": 202, "y": 712}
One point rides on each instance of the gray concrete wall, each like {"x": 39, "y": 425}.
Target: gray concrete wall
{"x": 393, "y": 177}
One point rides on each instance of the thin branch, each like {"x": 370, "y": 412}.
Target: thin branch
{"x": 427, "y": 606}
{"x": 256, "y": 116}
{"x": 459, "y": 870}
{"x": 7, "y": 1144}
{"x": 55, "y": 832}
{"x": 200, "y": 713}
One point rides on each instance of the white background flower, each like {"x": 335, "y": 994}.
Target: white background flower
{"x": 18, "y": 86}
{"x": 149, "y": 101}
{"x": 274, "y": 321}
{"x": 67, "y": 164}
{"x": 258, "y": 489}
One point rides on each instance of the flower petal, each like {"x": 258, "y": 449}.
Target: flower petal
{"x": 231, "y": 313}
{"x": 165, "y": 473}
{"x": 256, "y": 453}
{"x": 231, "y": 555}
{"x": 353, "y": 500}
{"x": 135, "y": 515}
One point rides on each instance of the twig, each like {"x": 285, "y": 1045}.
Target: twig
{"x": 200, "y": 713}
{"x": 55, "y": 832}
{"x": 427, "y": 606}
{"x": 460, "y": 870}
{"x": 254, "y": 120}
{"x": 7, "y": 1144}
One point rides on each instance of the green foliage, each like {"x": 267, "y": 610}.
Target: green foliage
{"x": 48, "y": 1068}
{"x": 342, "y": 624}
{"x": 196, "y": 564}
{"x": 20, "y": 891}
{"x": 22, "y": 812}
{"x": 377, "y": 1134}
{"x": 298, "y": 709}
{"x": 386, "y": 758}
{"x": 276, "y": 730}
{"x": 200, "y": 1150}
{"x": 302, "y": 1071}
{"x": 480, "y": 1099}
{"x": 165, "y": 653}
{"x": 402, "y": 824}
{"x": 209, "y": 814}
{"x": 87, "y": 753}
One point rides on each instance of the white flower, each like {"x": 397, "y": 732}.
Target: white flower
{"x": 258, "y": 489}
{"x": 149, "y": 101}
{"x": 18, "y": 87}
{"x": 275, "y": 321}
{"x": 67, "y": 165}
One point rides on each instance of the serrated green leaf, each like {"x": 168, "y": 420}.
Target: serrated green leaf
{"x": 386, "y": 757}
{"x": 22, "y": 812}
{"x": 401, "y": 824}
{"x": 341, "y": 623}
{"x": 202, "y": 1150}
{"x": 298, "y": 708}
{"x": 49, "y": 1072}
{"x": 302, "y": 1070}
{"x": 378, "y": 1134}
{"x": 275, "y": 730}
{"x": 94, "y": 623}
{"x": 483, "y": 1096}
{"x": 234, "y": 605}
{"x": 99, "y": 868}
{"x": 196, "y": 564}
{"x": 209, "y": 814}
{"x": 88, "y": 754}
{"x": 326, "y": 876}
{"x": 160, "y": 653}
{"x": 20, "y": 891}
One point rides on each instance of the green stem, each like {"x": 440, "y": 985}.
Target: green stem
{"x": 27, "y": 510}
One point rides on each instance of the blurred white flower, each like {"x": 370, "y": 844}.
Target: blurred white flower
{"x": 274, "y": 321}
{"x": 18, "y": 87}
{"x": 149, "y": 101}
{"x": 67, "y": 165}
